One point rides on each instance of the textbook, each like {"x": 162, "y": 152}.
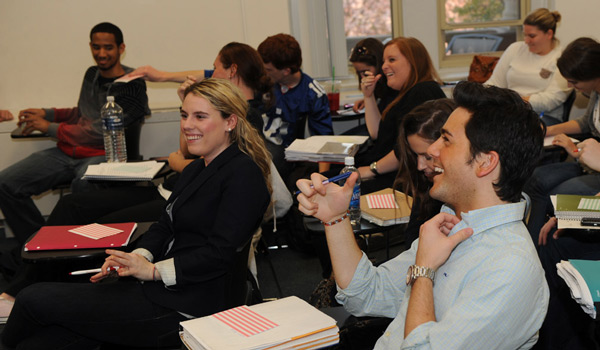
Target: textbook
{"x": 570, "y": 209}
{"x": 86, "y": 237}
{"x": 324, "y": 148}
{"x": 134, "y": 171}
{"x": 388, "y": 216}
{"x": 583, "y": 279}
{"x": 288, "y": 323}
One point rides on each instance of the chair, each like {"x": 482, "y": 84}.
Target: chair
{"x": 473, "y": 43}
{"x": 567, "y": 105}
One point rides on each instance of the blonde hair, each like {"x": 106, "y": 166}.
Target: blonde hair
{"x": 228, "y": 100}
{"x": 544, "y": 20}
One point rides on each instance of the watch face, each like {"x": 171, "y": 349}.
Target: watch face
{"x": 409, "y": 275}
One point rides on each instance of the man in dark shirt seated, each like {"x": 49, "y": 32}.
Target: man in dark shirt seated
{"x": 78, "y": 131}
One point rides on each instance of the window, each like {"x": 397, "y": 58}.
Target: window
{"x": 366, "y": 19}
{"x": 328, "y": 30}
{"x": 468, "y": 27}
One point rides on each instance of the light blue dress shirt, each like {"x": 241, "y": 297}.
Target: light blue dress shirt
{"x": 490, "y": 294}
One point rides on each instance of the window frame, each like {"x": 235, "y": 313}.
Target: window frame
{"x": 311, "y": 18}
{"x": 462, "y": 60}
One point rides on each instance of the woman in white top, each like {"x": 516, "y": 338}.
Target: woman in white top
{"x": 529, "y": 67}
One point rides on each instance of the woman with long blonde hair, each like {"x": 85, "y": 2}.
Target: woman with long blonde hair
{"x": 185, "y": 261}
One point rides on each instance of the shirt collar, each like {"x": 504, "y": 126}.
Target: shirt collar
{"x": 484, "y": 219}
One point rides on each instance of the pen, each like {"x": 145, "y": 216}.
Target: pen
{"x": 331, "y": 179}
{"x": 83, "y": 272}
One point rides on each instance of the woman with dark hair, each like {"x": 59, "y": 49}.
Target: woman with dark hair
{"x": 420, "y": 128}
{"x": 182, "y": 266}
{"x": 367, "y": 56}
{"x": 529, "y": 66}
{"x": 409, "y": 71}
{"x": 579, "y": 65}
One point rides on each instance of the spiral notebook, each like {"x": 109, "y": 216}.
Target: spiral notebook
{"x": 570, "y": 209}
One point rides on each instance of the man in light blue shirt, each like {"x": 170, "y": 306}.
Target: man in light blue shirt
{"x": 474, "y": 280}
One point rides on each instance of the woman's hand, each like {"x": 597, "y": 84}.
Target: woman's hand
{"x": 358, "y": 105}
{"x": 368, "y": 83}
{"x": 365, "y": 173}
{"x": 565, "y": 142}
{"x": 324, "y": 202}
{"x": 149, "y": 73}
{"x": 589, "y": 153}
{"x": 188, "y": 81}
{"x": 129, "y": 265}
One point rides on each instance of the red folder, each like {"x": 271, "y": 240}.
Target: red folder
{"x": 59, "y": 237}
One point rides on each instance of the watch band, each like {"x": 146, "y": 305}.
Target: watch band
{"x": 373, "y": 168}
{"x": 416, "y": 271}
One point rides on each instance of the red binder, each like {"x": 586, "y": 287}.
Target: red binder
{"x": 59, "y": 237}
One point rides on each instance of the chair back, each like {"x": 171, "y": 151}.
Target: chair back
{"x": 132, "y": 140}
{"x": 238, "y": 283}
{"x": 567, "y": 105}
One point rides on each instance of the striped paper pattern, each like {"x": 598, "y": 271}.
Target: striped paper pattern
{"x": 95, "y": 231}
{"x": 245, "y": 321}
{"x": 381, "y": 201}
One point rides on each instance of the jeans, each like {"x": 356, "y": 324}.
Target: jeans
{"x": 39, "y": 172}
{"x": 80, "y": 316}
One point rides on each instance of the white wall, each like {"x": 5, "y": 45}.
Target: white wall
{"x": 44, "y": 49}
{"x": 44, "y": 52}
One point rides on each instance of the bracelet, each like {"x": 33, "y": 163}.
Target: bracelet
{"x": 154, "y": 273}
{"x": 337, "y": 221}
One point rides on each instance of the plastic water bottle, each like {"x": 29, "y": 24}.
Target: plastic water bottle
{"x": 114, "y": 131}
{"x": 354, "y": 208}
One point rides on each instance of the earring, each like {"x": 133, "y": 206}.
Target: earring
{"x": 229, "y": 130}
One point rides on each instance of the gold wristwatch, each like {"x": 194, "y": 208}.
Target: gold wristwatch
{"x": 373, "y": 168}
{"x": 415, "y": 271}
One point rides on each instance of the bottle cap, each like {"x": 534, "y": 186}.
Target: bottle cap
{"x": 349, "y": 161}
{"x": 110, "y": 98}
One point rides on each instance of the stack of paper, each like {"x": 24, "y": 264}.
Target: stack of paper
{"x": 570, "y": 209}
{"x": 135, "y": 171}
{"x": 288, "y": 323}
{"x": 322, "y": 148}
{"x": 386, "y": 207}
{"x": 583, "y": 278}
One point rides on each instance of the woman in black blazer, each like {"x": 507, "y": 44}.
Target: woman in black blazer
{"x": 180, "y": 268}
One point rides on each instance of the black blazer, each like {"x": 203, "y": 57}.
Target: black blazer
{"x": 215, "y": 210}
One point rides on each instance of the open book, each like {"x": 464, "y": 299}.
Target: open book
{"x": 583, "y": 279}
{"x": 288, "y": 323}
{"x": 324, "y": 148}
{"x": 134, "y": 171}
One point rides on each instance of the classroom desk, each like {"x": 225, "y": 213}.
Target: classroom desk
{"x": 76, "y": 254}
{"x": 16, "y": 134}
{"x": 347, "y": 115}
{"x": 315, "y": 227}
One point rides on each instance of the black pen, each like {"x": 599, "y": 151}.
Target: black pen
{"x": 331, "y": 179}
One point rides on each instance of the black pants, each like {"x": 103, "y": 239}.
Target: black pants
{"x": 82, "y": 315}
